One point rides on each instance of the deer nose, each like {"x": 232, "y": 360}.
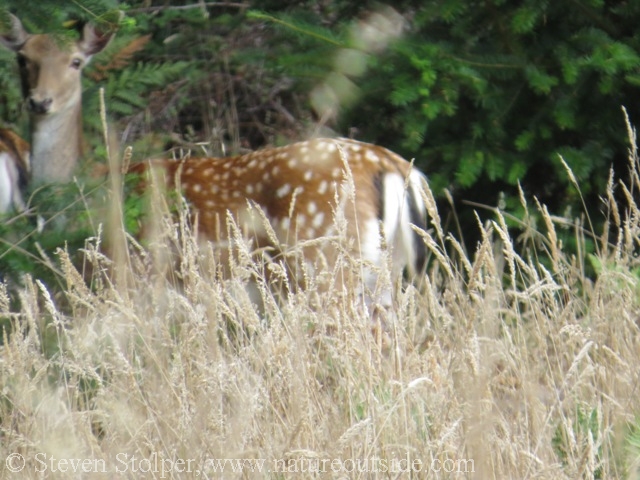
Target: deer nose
{"x": 40, "y": 106}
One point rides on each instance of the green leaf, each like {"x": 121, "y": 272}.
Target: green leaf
{"x": 471, "y": 165}
{"x": 524, "y": 19}
{"x": 540, "y": 81}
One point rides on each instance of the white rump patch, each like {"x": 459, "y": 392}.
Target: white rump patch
{"x": 371, "y": 251}
{"x": 397, "y": 222}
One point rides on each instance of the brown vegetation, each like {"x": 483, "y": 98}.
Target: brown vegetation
{"x": 498, "y": 367}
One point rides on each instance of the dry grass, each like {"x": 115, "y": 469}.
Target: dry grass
{"x": 497, "y": 367}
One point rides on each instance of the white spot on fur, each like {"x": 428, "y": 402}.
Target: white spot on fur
{"x": 371, "y": 156}
{"x": 308, "y": 175}
{"x": 283, "y": 190}
{"x": 318, "y": 220}
{"x": 312, "y": 208}
{"x": 322, "y": 188}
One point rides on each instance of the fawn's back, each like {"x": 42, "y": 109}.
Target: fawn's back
{"x": 305, "y": 191}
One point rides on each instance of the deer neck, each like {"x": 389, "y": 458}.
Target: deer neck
{"x": 56, "y": 141}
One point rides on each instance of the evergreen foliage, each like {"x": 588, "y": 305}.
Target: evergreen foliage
{"x": 486, "y": 95}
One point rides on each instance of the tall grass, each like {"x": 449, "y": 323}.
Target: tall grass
{"x": 496, "y": 366}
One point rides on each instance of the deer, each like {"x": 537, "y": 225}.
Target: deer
{"x": 294, "y": 196}
{"x": 281, "y": 198}
{"x": 15, "y": 166}
{"x": 50, "y": 74}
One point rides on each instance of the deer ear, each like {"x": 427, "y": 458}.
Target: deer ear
{"x": 16, "y": 36}
{"x": 96, "y": 38}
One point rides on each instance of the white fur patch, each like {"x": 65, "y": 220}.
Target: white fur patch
{"x": 393, "y": 201}
{"x": 10, "y": 196}
{"x": 397, "y": 222}
{"x": 6, "y": 183}
{"x": 318, "y": 220}
{"x": 283, "y": 190}
{"x": 370, "y": 245}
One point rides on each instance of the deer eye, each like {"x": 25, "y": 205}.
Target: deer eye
{"x": 76, "y": 63}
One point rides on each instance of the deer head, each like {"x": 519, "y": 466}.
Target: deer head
{"x": 50, "y": 73}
